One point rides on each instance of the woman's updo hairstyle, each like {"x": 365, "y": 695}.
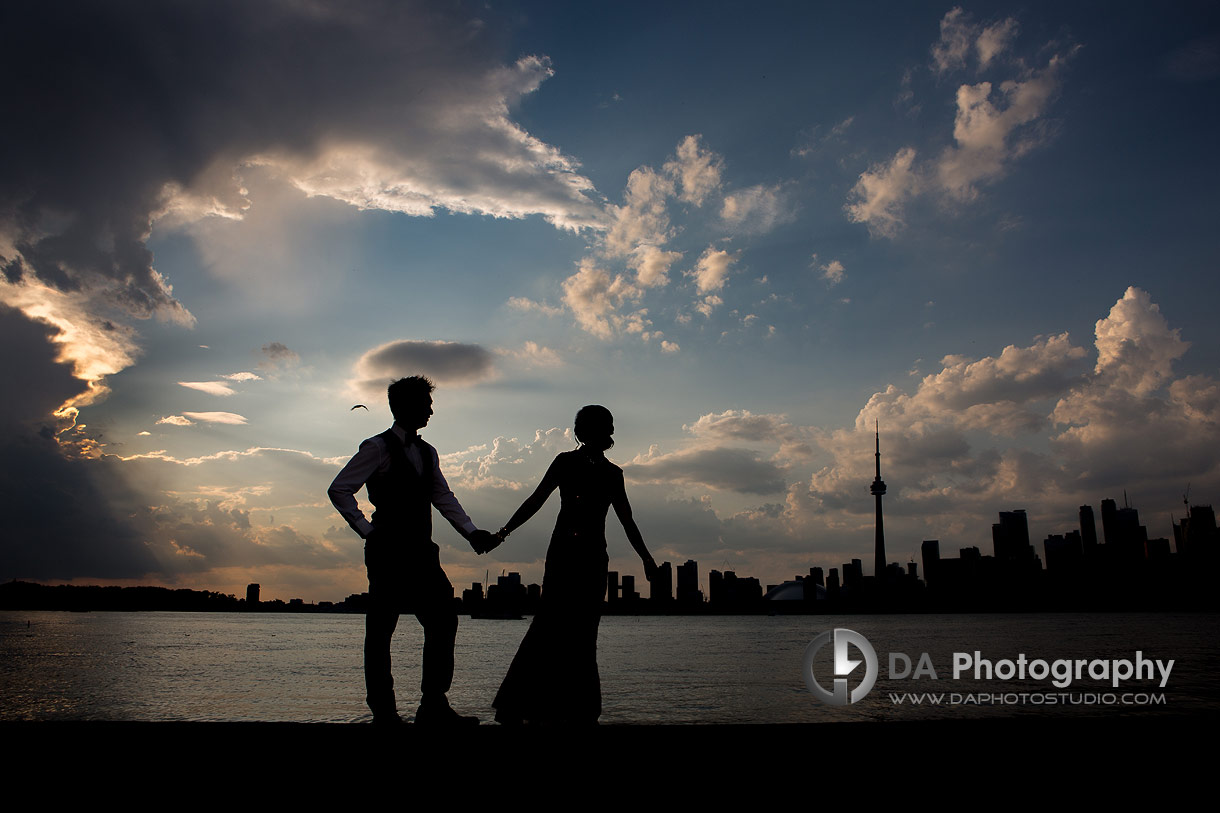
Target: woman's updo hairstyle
{"x": 594, "y": 427}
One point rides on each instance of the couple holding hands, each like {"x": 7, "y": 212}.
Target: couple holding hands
{"x": 553, "y": 679}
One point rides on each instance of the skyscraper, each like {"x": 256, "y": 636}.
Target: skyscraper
{"x": 931, "y": 559}
{"x": 1088, "y": 531}
{"x": 688, "y": 583}
{"x": 662, "y": 586}
{"x": 1010, "y": 536}
{"x": 878, "y": 489}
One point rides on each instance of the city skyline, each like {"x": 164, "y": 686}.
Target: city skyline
{"x": 754, "y": 232}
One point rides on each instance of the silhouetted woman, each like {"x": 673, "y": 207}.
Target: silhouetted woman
{"x": 553, "y": 678}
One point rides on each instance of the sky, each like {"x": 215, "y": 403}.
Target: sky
{"x": 754, "y": 231}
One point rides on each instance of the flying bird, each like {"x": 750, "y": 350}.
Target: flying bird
{"x": 359, "y": 406}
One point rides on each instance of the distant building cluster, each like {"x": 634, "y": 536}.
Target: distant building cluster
{"x": 1122, "y": 568}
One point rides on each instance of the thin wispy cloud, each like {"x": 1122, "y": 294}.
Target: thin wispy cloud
{"x": 231, "y": 418}
{"x": 210, "y": 387}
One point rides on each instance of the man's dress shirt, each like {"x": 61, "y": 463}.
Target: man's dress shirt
{"x": 373, "y": 456}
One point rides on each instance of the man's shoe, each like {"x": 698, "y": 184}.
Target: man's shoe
{"x": 440, "y": 715}
{"x": 390, "y": 719}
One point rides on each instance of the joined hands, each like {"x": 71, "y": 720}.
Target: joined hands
{"x": 484, "y": 541}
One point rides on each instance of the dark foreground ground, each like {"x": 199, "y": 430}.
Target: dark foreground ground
{"x": 1023, "y": 761}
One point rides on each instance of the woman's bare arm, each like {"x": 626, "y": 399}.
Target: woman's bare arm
{"x": 622, "y": 509}
{"x": 550, "y": 481}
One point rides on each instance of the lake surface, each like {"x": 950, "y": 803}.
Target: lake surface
{"x": 682, "y": 670}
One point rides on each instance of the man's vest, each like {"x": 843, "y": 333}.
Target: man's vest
{"x": 403, "y": 497}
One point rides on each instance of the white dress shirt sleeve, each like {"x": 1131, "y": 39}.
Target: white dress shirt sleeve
{"x": 351, "y": 479}
{"x": 446, "y": 503}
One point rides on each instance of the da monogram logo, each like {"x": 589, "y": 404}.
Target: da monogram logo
{"x": 843, "y": 666}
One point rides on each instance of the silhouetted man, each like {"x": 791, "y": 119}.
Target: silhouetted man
{"x": 404, "y": 481}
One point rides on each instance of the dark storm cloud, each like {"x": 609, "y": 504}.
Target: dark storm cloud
{"x": 195, "y": 537}
{"x": 444, "y": 362}
{"x": 120, "y": 110}
{"x": 57, "y": 518}
{"x": 35, "y": 384}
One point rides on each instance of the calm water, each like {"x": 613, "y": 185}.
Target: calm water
{"x": 307, "y": 668}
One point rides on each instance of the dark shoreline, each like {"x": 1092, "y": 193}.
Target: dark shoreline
{"x": 27, "y": 596}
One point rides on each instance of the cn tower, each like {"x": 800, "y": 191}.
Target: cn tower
{"x": 878, "y": 488}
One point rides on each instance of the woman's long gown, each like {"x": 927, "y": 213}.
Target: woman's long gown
{"x": 554, "y": 677}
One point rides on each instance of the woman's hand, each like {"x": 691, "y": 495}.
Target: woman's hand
{"x": 484, "y": 541}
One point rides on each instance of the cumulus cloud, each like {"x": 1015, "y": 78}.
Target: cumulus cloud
{"x": 507, "y": 463}
{"x": 994, "y": 40}
{"x": 722, "y": 468}
{"x": 243, "y": 376}
{"x": 695, "y": 169}
{"x": 1135, "y": 346}
{"x": 450, "y": 363}
{"x": 956, "y": 35}
{"x": 1132, "y": 415}
{"x": 833, "y": 272}
{"x": 758, "y": 209}
{"x": 175, "y": 420}
{"x": 652, "y": 265}
{"x": 643, "y": 219}
{"x": 995, "y": 124}
{"x": 881, "y": 192}
{"x": 990, "y": 129}
{"x": 532, "y": 354}
{"x": 210, "y": 387}
{"x": 708, "y": 304}
{"x": 595, "y": 297}
{"x": 735, "y": 451}
{"x": 741, "y": 425}
{"x": 606, "y": 298}
{"x": 641, "y": 226}
{"x": 960, "y": 38}
{"x": 712, "y": 271}
{"x": 994, "y": 393}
